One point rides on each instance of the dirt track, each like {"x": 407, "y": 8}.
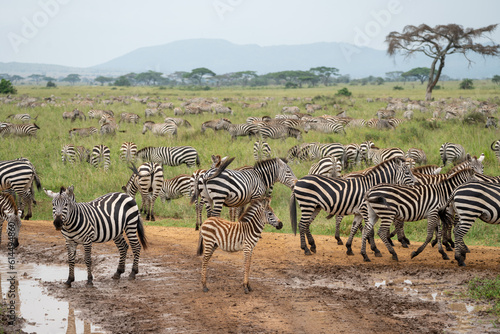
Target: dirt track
{"x": 328, "y": 292}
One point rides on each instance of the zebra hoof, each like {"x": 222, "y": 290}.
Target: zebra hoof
{"x": 339, "y": 242}
{"x": 117, "y": 275}
{"x": 90, "y": 283}
{"x": 132, "y": 275}
{"x": 448, "y": 248}
{"x": 307, "y": 252}
{"x": 378, "y": 254}
{"x": 366, "y": 258}
{"x": 395, "y": 257}
{"x": 349, "y": 252}
{"x": 445, "y": 256}
{"x": 413, "y": 254}
{"x": 404, "y": 245}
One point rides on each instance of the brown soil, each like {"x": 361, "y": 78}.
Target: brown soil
{"x": 328, "y": 292}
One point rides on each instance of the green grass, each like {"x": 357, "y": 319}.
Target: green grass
{"x": 44, "y": 151}
{"x": 487, "y": 290}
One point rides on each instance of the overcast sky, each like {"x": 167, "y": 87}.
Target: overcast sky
{"x": 85, "y": 33}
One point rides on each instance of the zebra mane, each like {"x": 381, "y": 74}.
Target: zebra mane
{"x": 419, "y": 168}
{"x": 251, "y": 207}
{"x": 63, "y": 189}
{"x": 389, "y": 162}
{"x": 259, "y": 164}
{"x": 465, "y": 171}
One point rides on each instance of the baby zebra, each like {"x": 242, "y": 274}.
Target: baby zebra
{"x": 236, "y": 236}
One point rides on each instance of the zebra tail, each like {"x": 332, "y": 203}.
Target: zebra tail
{"x": 197, "y": 160}
{"x": 293, "y": 213}
{"x": 222, "y": 167}
{"x": 378, "y": 200}
{"x": 446, "y": 219}
{"x": 37, "y": 181}
{"x": 36, "y": 126}
{"x": 199, "y": 252}
{"x": 491, "y": 146}
{"x": 142, "y": 234}
{"x": 196, "y": 191}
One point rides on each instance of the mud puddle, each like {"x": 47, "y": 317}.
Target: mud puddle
{"x": 20, "y": 288}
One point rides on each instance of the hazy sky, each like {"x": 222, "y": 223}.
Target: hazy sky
{"x": 85, "y": 33}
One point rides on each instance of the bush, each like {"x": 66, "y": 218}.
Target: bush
{"x": 344, "y": 91}
{"x": 122, "y": 81}
{"x": 466, "y": 84}
{"x": 397, "y": 87}
{"x": 6, "y": 87}
{"x": 50, "y": 84}
{"x": 291, "y": 85}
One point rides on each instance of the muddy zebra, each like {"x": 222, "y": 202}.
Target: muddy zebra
{"x": 236, "y": 236}
{"x": 106, "y": 218}
{"x": 170, "y": 156}
{"x": 160, "y": 129}
{"x": 128, "y": 151}
{"x": 20, "y": 130}
{"x": 72, "y": 153}
{"x": 101, "y": 154}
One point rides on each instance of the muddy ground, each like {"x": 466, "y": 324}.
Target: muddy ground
{"x": 328, "y": 292}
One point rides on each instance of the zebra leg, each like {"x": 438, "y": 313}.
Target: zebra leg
{"x": 248, "y": 260}
{"x": 432, "y": 224}
{"x": 71, "y": 247}
{"x": 305, "y": 232}
{"x": 122, "y": 246}
{"x": 383, "y": 232}
{"x": 338, "y": 220}
{"x": 87, "y": 246}
{"x": 136, "y": 250}
{"x": 460, "y": 248}
{"x": 400, "y": 231}
{"x": 207, "y": 254}
{"x": 356, "y": 224}
{"x": 367, "y": 230}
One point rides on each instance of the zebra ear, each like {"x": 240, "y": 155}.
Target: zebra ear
{"x": 70, "y": 191}
{"x": 481, "y": 157}
{"x": 19, "y": 213}
{"x": 50, "y": 193}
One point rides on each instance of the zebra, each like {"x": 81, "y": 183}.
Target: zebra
{"x": 10, "y": 213}
{"x": 377, "y": 155}
{"x": 279, "y": 132}
{"x": 469, "y": 202}
{"x": 418, "y": 155}
{"x": 160, "y": 129}
{"x": 178, "y": 121}
{"x": 72, "y": 153}
{"x": 328, "y": 166}
{"x": 427, "y": 169}
{"x": 22, "y": 117}
{"x": 19, "y": 175}
{"x": 170, "y": 156}
{"x": 108, "y": 125}
{"x": 406, "y": 203}
{"x": 128, "y": 151}
{"x": 100, "y": 154}
{"x": 153, "y": 112}
{"x": 128, "y": 117}
{"x": 97, "y": 113}
{"x": 363, "y": 149}
{"x": 450, "y": 152}
{"x": 385, "y": 113}
{"x": 236, "y": 130}
{"x": 20, "y": 130}
{"x": 148, "y": 179}
{"x": 73, "y": 115}
{"x": 495, "y": 147}
{"x": 220, "y": 109}
{"x": 356, "y": 123}
{"x": 233, "y": 188}
{"x": 340, "y": 196}
{"x": 236, "y": 236}
{"x": 83, "y": 132}
{"x": 328, "y": 127}
{"x": 351, "y": 156}
{"x": 176, "y": 187}
{"x": 210, "y": 125}
{"x": 261, "y": 150}
{"x": 106, "y": 218}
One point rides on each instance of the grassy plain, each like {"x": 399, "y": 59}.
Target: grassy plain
{"x": 44, "y": 151}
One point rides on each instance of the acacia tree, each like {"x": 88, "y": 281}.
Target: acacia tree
{"x": 420, "y": 73}
{"x": 437, "y": 43}
{"x": 198, "y": 74}
{"x": 325, "y": 73}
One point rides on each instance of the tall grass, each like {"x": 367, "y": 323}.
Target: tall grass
{"x": 44, "y": 151}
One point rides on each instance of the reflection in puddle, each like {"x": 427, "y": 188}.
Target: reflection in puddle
{"x": 43, "y": 314}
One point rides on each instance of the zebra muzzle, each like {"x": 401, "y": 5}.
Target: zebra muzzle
{"x": 58, "y": 222}
{"x": 279, "y": 226}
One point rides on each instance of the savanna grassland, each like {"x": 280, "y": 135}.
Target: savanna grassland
{"x": 44, "y": 150}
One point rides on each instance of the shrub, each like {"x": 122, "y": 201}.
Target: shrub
{"x": 6, "y": 87}
{"x": 291, "y": 85}
{"x": 397, "y": 87}
{"x": 51, "y": 84}
{"x": 474, "y": 118}
{"x": 344, "y": 91}
{"x": 466, "y": 84}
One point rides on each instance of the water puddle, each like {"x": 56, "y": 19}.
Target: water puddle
{"x": 21, "y": 290}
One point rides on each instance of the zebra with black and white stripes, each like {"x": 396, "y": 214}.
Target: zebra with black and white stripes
{"x": 160, "y": 129}
{"x": 469, "y": 202}
{"x": 106, "y": 218}
{"x": 22, "y": 117}
{"x": 325, "y": 127}
{"x": 101, "y": 154}
{"x": 18, "y": 176}
{"x": 20, "y": 130}
{"x": 377, "y": 155}
{"x": 261, "y": 150}
{"x": 470, "y": 162}
{"x": 148, "y": 179}
{"x": 128, "y": 151}
{"x": 351, "y": 156}
{"x": 178, "y": 121}
{"x": 454, "y": 153}
{"x": 176, "y": 187}
{"x": 83, "y": 132}
{"x": 170, "y": 156}
{"x": 427, "y": 169}
{"x": 341, "y": 197}
{"x": 278, "y": 131}
{"x": 129, "y": 117}
{"x": 237, "y": 130}
{"x": 409, "y": 203}
{"x": 418, "y": 155}
{"x": 328, "y": 166}
{"x": 9, "y": 213}
{"x": 495, "y": 147}
{"x": 73, "y": 153}
{"x": 236, "y": 236}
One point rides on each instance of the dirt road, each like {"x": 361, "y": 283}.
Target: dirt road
{"x": 328, "y": 292}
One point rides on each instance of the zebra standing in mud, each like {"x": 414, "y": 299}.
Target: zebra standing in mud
{"x": 128, "y": 151}
{"x": 237, "y": 130}
{"x": 170, "y": 156}
{"x": 341, "y": 197}
{"x": 106, "y": 218}
{"x": 450, "y": 152}
{"x": 72, "y": 153}
{"x": 160, "y": 129}
{"x": 148, "y": 180}
{"x": 261, "y": 150}
{"x": 469, "y": 202}
{"x": 9, "y": 213}
{"x": 176, "y": 187}
{"x": 409, "y": 203}
{"x": 18, "y": 176}
{"x": 20, "y": 130}
{"x": 236, "y": 236}
{"x": 101, "y": 154}
{"x": 278, "y": 131}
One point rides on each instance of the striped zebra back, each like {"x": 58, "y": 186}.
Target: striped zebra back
{"x": 351, "y": 156}
{"x": 428, "y": 169}
{"x": 171, "y": 156}
{"x": 71, "y": 153}
{"x": 327, "y": 166}
{"x": 176, "y": 187}
{"x": 377, "y": 155}
{"x": 418, "y": 155}
{"x": 128, "y": 151}
{"x": 20, "y": 130}
{"x": 261, "y": 150}
{"x": 100, "y": 155}
{"x": 450, "y": 152}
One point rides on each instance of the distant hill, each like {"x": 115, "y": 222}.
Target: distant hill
{"x": 224, "y": 57}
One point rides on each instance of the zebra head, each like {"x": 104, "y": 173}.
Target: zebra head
{"x": 285, "y": 174}
{"x": 61, "y": 203}
{"x": 147, "y": 126}
{"x": 269, "y": 215}
{"x": 13, "y": 222}
{"x": 403, "y": 174}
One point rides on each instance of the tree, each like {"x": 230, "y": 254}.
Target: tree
{"x": 466, "y": 84}
{"x": 149, "y": 77}
{"x": 6, "y": 87}
{"x": 198, "y": 74}
{"x": 496, "y": 79}
{"x": 15, "y": 78}
{"x": 36, "y": 77}
{"x": 438, "y": 42}
{"x": 72, "y": 78}
{"x": 324, "y": 73}
{"x": 245, "y": 76}
{"x": 122, "y": 81}
{"x": 420, "y": 73}
{"x": 393, "y": 76}
{"x": 101, "y": 79}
